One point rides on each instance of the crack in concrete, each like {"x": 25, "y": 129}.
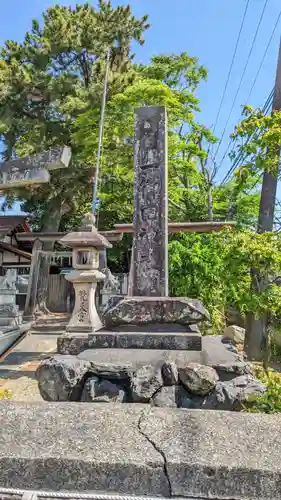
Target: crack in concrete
{"x": 158, "y": 449}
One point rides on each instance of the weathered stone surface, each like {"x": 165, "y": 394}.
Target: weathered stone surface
{"x": 146, "y": 310}
{"x": 228, "y": 371}
{"x": 170, "y": 373}
{"x": 176, "y": 397}
{"x": 218, "y": 455}
{"x": 145, "y": 340}
{"x": 187, "y": 400}
{"x": 231, "y": 395}
{"x": 102, "y": 391}
{"x": 72, "y": 343}
{"x": 165, "y": 397}
{"x": 78, "y": 447}
{"x": 216, "y": 352}
{"x": 145, "y": 382}
{"x": 61, "y": 378}
{"x": 235, "y": 333}
{"x": 149, "y": 273}
{"x": 113, "y": 364}
{"x": 198, "y": 379}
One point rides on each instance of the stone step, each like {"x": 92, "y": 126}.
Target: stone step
{"x": 191, "y": 341}
{"x": 134, "y": 358}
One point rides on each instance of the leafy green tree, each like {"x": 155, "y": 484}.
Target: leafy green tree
{"x": 167, "y": 80}
{"x": 259, "y": 138}
{"x": 216, "y": 268}
{"x": 52, "y": 77}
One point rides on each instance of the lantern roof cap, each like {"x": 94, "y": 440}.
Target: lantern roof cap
{"x": 87, "y": 236}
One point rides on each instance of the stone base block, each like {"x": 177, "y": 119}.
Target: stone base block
{"x": 146, "y": 340}
{"x": 138, "y": 450}
{"x": 72, "y": 343}
{"x": 150, "y": 310}
{"x": 77, "y": 342}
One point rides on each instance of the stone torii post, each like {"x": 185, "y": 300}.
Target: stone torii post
{"x": 34, "y": 170}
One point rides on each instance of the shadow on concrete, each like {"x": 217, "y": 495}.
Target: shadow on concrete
{"x": 20, "y": 358}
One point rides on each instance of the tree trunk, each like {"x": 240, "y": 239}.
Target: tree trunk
{"x": 256, "y": 329}
{"x": 210, "y": 202}
{"x": 51, "y": 224}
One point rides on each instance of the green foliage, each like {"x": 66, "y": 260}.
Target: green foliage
{"x": 216, "y": 269}
{"x": 52, "y": 77}
{"x": 270, "y": 402}
{"x": 259, "y": 139}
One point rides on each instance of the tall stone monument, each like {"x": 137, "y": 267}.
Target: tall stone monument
{"x": 149, "y": 316}
{"x": 149, "y": 273}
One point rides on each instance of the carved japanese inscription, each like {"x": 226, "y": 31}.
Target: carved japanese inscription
{"x": 149, "y": 275}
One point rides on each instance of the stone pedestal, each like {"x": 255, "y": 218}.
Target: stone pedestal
{"x": 84, "y": 317}
{"x": 86, "y": 245}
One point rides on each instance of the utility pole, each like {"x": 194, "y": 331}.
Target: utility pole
{"x": 256, "y": 338}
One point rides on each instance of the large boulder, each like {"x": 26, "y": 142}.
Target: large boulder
{"x": 165, "y": 397}
{"x": 61, "y": 378}
{"x": 176, "y": 397}
{"x": 145, "y": 382}
{"x": 228, "y": 371}
{"x": 198, "y": 379}
{"x": 235, "y": 333}
{"x": 102, "y": 391}
{"x": 233, "y": 394}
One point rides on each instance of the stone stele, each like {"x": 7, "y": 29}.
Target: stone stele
{"x": 148, "y": 302}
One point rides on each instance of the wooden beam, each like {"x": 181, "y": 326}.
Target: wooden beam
{"x": 186, "y": 227}
{"x": 112, "y": 236}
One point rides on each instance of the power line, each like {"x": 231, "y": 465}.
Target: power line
{"x": 242, "y": 77}
{"x": 265, "y": 110}
{"x": 231, "y": 64}
{"x": 242, "y": 156}
{"x": 264, "y": 55}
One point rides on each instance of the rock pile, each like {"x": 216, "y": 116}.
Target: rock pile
{"x": 219, "y": 379}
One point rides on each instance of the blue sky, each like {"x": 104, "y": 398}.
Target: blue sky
{"x": 203, "y": 28}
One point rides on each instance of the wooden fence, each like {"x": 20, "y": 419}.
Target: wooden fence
{"x": 60, "y": 296}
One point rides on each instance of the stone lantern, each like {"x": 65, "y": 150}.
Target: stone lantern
{"x": 86, "y": 245}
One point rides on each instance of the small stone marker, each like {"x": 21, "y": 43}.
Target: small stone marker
{"x": 33, "y": 169}
{"x": 149, "y": 276}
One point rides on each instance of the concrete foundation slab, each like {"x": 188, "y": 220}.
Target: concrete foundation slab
{"x": 140, "y": 451}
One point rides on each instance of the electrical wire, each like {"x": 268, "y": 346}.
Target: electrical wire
{"x": 267, "y": 104}
{"x": 242, "y": 156}
{"x": 264, "y": 56}
{"x": 242, "y": 77}
{"x": 231, "y": 64}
